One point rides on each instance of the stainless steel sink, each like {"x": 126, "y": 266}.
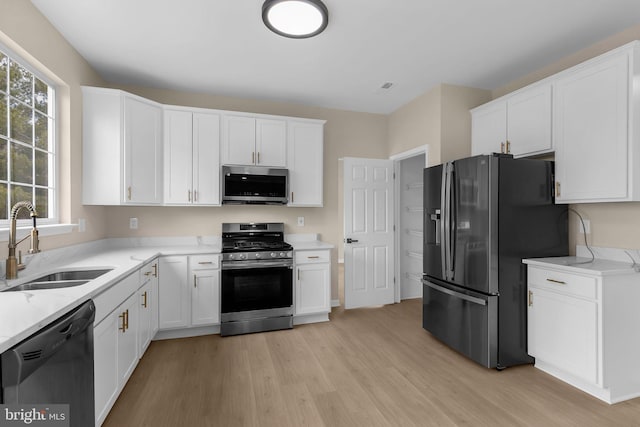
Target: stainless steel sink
{"x": 60, "y": 279}
{"x": 35, "y": 286}
{"x": 62, "y": 276}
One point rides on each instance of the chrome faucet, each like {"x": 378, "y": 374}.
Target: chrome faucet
{"x": 13, "y": 264}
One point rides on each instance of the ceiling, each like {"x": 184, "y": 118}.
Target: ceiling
{"x": 222, "y": 47}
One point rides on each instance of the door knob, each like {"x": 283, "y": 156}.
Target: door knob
{"x": 350, "y": 240}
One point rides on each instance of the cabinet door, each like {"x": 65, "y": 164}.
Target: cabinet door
{"x": 143, "y": 152}
{"x": 153, "y": 292}
{"x": 529, "y": 121}
{"x": 206, "y": 159}
{"x": 173, "y": 299}
{"x": 128, "y": 328}
{"x": 178, "y": 157}
{"x": 238, "y": 140}
{"x": 305, "y": 163}
{"x": 563, "y": 331}
{"x": 271, "y": 143}
{"x": 488, "y": 128}
{"x": 313, "y": 289}
{"x": 105, "y": 359}
{"x": 145, "y": 298}
{"x": 205, "y": 297}
{"x": 591, "y": 132}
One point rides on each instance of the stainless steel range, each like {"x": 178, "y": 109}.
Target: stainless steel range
{"x": 257, "y": 278}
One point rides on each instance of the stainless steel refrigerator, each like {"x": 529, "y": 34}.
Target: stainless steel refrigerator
{"x": 482, "y": 216}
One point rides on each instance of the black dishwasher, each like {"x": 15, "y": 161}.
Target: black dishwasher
{"x": 54, "y": 366}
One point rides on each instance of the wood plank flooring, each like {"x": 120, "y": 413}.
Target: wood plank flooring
{"x": 367, "y": 367}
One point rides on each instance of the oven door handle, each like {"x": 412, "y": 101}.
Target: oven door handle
{"x": 240, "y": 265}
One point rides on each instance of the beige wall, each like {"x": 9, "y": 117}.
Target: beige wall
{"x": 439, "y": 118}
{"x": 612, "y": 224}
{"x": 417, "y": 123}
{"x": 26, "y": 32}
{"x": 455, "y": 121}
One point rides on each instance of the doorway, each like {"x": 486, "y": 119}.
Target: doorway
{"x": 409, "y": 168}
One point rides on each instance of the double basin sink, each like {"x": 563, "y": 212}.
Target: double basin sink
{"x": 60, "y": 279}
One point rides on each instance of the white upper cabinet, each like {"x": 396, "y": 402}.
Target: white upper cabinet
{"x": 192, "y": 160}
{"x": 122, "y": 148}
{"x": 305, "y": 163}
{"x": 518, "y": 124}
{"x": 254, "y": 141}
{"x": 595, "y": 126}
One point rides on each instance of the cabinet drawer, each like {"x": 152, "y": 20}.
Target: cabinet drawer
{"x": 310, "y": 257}
{"x": 107, "y": 301}
{"x": 211, "y": 261}
{"x": 566, "y": 283}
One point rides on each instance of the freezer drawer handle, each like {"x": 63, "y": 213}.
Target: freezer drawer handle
{"x": 465, "y": 297}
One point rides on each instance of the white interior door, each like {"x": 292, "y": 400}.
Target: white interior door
{"x": 368, "y": 232}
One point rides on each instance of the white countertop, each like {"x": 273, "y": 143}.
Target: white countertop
{"x": 23, "y": 313}
{"x": 582, "y": 265}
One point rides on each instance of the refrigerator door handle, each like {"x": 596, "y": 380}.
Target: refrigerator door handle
{"x": 444, "y": 221}
{"x": 453, "y": 214}
{"x": 465, "y": 297}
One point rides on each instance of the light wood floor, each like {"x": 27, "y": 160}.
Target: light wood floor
{"x": 367, "y": 367}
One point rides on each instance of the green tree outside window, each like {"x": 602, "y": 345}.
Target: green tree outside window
{"x": 27, "y": 155}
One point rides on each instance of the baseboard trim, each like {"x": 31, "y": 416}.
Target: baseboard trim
{"x": 335, "y": 303}
{"x": 169, "y": 334}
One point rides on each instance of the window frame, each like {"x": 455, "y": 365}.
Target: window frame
{"x": 53, "y": 177}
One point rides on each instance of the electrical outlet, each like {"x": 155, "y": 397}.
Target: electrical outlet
{"x": 301, "y": 221}
{"x": 82, "y": 225}
{"x": 587, "y": 227}
{"x": 133, "y": 223}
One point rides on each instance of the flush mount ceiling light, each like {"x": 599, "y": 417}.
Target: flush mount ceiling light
{"x": 297, "y": 19}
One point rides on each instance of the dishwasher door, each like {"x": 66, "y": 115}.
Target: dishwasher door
{"x": 54, "y": 366}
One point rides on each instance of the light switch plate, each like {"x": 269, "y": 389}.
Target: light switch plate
{"x": 133, "y": 223}
{"x": 82, "y": 225}
{"x": 301, "y": 221}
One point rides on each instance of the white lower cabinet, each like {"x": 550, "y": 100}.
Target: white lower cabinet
{"x": 105, "y": 361}
{"x": 125, "y": 323}
{"x": 115, "y": 338}
{"x": 189, "y": 291}
{"x": 148, "y": 305}
{"x": 174, "y": 299}
{"x": 205, "y": 294}
{"x": 581, "y": 328}
{"x": 312, "y": 286}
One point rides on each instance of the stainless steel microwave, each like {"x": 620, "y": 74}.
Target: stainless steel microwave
{"x": 254, "y": 185}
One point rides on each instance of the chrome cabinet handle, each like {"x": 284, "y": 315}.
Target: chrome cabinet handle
{"x": 195, "y": 281}
{"x": 144, "y": 304}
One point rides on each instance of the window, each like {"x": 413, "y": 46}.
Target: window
{"x": 27, "y": 140}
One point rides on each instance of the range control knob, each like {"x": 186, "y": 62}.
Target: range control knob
{"x": 258, "y": 256}
{"x": 273, "y": 254}
{"x": 242, "y": 256}
{"x": 230, "y": 256}
{"x": 282, "y": 254}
